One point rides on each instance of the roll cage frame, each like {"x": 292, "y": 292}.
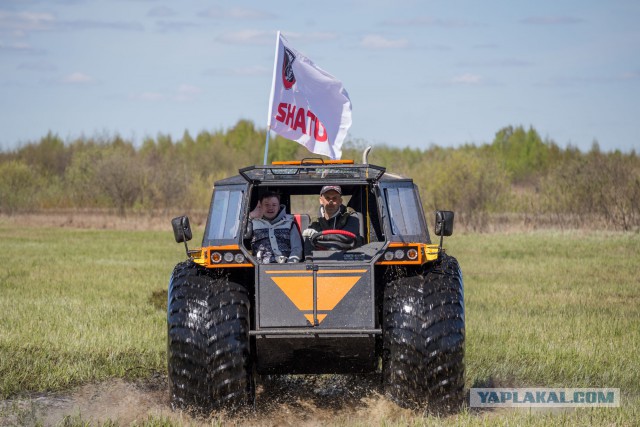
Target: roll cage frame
{"x": 390, "y": 205}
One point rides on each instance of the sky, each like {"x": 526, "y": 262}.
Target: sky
{"x": 418, "y": 72}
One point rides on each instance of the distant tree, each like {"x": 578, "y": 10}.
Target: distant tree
{"x": 80, "y": 177}
{"x": 244, "y": 136}
{"x": 595, "y": 186}
{"x": 466, "y": 182}
{"x": 19, "y": 187}
{"x": 523, "y": 153}
{"x": 518, "y": 172}
{"x": 119, "y": 175}
{"x": 49, "y": 156}
{"x": 166, "y": 183}
{"x": 284, "y": 149}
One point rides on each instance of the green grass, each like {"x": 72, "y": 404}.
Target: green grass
{"x": 543, "y": 309}
{"x": 552, "y": 309}
{"x": 75, "y": 306}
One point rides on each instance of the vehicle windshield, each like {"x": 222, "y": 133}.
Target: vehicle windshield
{"x": 402, "y": 209}
{"x": 225, "y": 215}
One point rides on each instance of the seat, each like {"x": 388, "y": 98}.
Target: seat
{"x": 361, "y": 234}
{"x": 302, "y": 221}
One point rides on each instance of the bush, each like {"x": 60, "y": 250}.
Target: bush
{"x": 597, "y": 185}
{"x": 518, "y": 173}
{"x": 19, "y": 187}
{"x": 467, "y": 182}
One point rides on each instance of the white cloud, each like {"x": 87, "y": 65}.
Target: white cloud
{"x": 427, "y": 21}
{"x": 89, "y": 24}
{"x": 187, "y": 93}
{"x": 23, "y": 22}
{"x": 551, "y": 20}
{"x": 214, "y": 12}
{"x": 148, "y": 96}
{"x": 310, "y": 37}
{"x": 18, "y": 47}
{"x": 161, "y": 12}
{"x": 248, "y": 37}
{"x": 255, "y": 70}
{"x": 379, "y": 42}
{"x": 246, "y": 13}
{"x": 77, "y": 78}
{"x": 184, "y": 93}
{"x": 467, "y": 79}
{"x": 237, "y": 13}
{"x": 174, "y": 26}
{"x": 259, "y": 37}
{"x": 38, "y": 66}
{"x": 497, "y": 62}
{"x": 632, "y": 75}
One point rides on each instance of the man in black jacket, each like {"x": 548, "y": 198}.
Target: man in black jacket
{"x": 334, "y": 215}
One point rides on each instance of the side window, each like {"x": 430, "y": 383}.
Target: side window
{"x": 225, "y": 215}
{"x": 402, "y": 205}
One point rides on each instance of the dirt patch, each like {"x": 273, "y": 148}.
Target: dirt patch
{"x": 158, "y": 299}
{"x": 281, "y": 401}
{"x": 115, "y": 400}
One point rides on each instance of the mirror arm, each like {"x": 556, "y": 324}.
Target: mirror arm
{"x": 441, "y": 223}
{"x": 186, "y": 248}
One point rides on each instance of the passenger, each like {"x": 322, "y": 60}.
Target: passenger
{"x": 334, "y": 215}
{"x": 274, "y": 236}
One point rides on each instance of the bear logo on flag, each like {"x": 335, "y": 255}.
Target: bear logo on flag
{"x": 288, "y": 79}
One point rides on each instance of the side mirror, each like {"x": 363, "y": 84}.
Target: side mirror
{"x": 444, "y": 223}
{"x": 181, "y": 229}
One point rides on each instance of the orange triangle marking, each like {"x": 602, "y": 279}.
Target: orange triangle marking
{"x": 310, "y": 317}
{"x": 299, "y": 290}
{"x": 331, "y": 290}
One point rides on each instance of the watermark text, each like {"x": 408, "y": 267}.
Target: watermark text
{"x": 544, "y": 397}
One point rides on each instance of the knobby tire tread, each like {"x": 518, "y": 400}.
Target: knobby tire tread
{"x": 423, "y": 337}
{"x": 208, "y": 340}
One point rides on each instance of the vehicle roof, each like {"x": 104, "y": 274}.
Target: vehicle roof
{"x": 309, "y": 173}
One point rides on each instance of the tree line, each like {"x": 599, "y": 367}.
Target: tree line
{"x": 518, "y": 178}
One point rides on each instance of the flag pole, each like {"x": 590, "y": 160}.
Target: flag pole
{"x": 266, "y": 146}
{"x": 273, "y": 86}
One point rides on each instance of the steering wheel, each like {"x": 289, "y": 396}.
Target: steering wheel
{"x": 340, "y": 240}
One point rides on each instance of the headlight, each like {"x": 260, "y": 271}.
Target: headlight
{"x": 239, "y": 258}
{"x": 412, "y": 254}
{"x": 388, "y": 256}
{"x": 399, "y": 254}
{"x": 216, "y": 257}
{"x": 228, "y": 257}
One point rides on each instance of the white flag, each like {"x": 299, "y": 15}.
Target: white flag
{"x": 308, "y": 105}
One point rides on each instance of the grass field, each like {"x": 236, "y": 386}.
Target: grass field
{"x": 544, "y": 309}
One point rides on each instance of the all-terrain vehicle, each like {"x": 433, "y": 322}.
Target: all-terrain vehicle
{"x": 393, "y": 305}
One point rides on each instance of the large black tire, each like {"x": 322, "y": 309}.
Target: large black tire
{"x": 423, "y": 338}
{"x": 208, "y": 341}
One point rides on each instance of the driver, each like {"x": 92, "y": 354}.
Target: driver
{"x": 334, "y": 215}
